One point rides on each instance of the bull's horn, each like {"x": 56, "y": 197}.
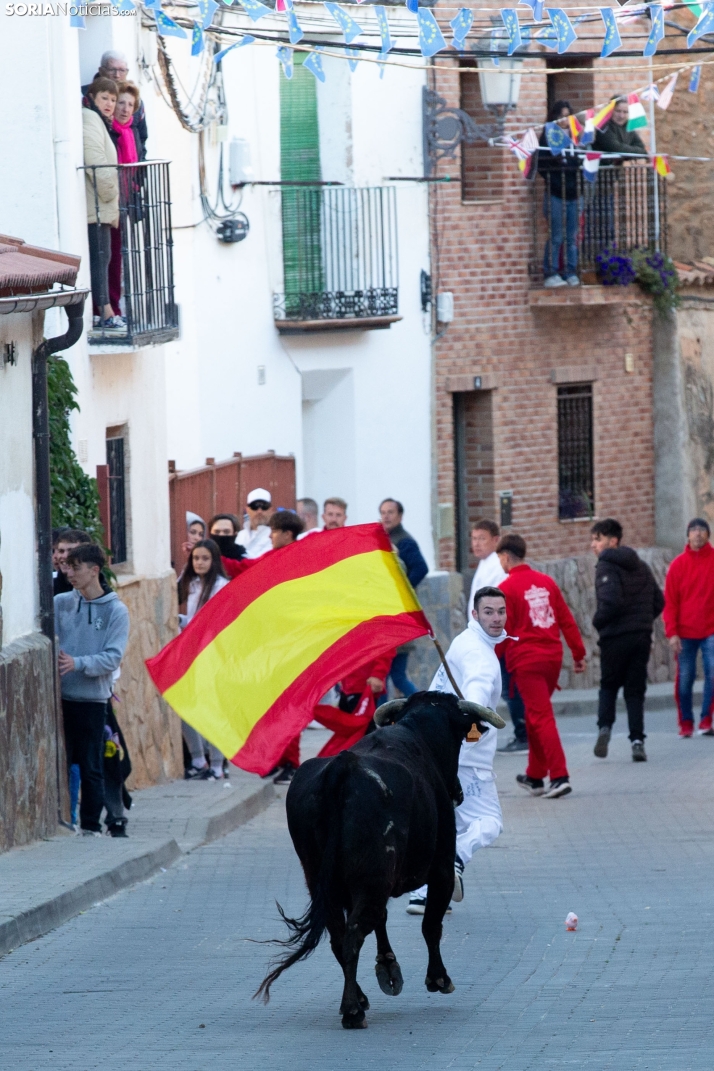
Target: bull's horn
{"x": 475, "y": 710}
{"x": 384, "y": 714}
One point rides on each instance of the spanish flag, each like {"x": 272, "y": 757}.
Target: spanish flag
{"x": 603, "y": 117}
{"x": 250, "y": 666}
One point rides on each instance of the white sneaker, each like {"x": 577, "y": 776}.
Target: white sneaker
{"x": 554, "y": 280}
{"x": 573, "y": 280}
{"x": 416, "y": 905}
{"x": 90, "y": 833}
{"x": 458, "y": 893}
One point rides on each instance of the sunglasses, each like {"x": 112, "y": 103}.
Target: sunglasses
{"x": 259, "y": 505}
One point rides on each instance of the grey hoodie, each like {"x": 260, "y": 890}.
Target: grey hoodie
{"x": 95, "y": 634}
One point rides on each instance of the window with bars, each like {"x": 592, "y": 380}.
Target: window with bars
{"x": 117, "y": 498}
{"x": 576, "y": 484}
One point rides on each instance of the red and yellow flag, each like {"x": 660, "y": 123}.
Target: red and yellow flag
{"x": 603, "y": 117}
{"x": 250, "y": 666}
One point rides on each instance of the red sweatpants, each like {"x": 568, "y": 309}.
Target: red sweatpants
{"x": 291, "y": 755}
{"x": 536, "y": 685}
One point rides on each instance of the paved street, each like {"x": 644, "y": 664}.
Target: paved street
{"x": 160, "y": 976}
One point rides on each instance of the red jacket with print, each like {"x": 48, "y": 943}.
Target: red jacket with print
{"x": 689, "y": 594}
{"x": 357, "y": 680}
{"x": 536, "y": 613}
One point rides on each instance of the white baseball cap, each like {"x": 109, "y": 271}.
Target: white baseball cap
{"x": 259, "y": 495}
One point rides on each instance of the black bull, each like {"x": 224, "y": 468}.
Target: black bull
{"x": 374, "y": 822}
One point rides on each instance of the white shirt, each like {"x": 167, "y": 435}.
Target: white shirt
{"x": 194, "y": 592}
{"x": 309, "y": 531}
{"x": 477, "y": 671}
{"x": 255, "y": 540}
{"x": 489, "y": 574}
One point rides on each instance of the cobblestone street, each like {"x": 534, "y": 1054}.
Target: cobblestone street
{"x": 161, "y": 976}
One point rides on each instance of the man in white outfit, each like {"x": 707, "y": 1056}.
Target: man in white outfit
{"x": 477, "y": 671}
{"x": 485, "y": 536}
{"x": 255, "y": 533}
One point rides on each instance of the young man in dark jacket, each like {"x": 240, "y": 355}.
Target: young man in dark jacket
{"x": 628, "y": 601}
{"x": 391, "y": 513}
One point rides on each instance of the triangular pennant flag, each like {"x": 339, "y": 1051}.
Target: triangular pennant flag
{"x": 563, "y": 28}
{"x": 207, "y": 9}
{"x": 603, "y": 117}
{"x": 313, "y": 64}
{"x": 591, "y": 163}
{"x": 665, "y": 97}
{"x": 557, "y": 138}
{"x": 381, "y": 63}
{"x": 125, "y": 5}
{"x": 612, "y": 34}
{"x": 197, "y": 43}
{"x": 588, "y": 135}
{"x": 548, "y": 37}
{"x": 153, "y": 4}
{"x": 247, "y": 40}
{"x": 344, "y": 20}
{"x": 461, "y": 24}
{"x": 575, "y": 128}
{"x": 661, "y": 166}
{"x": 413, "y": 6}
{"x": 254, "y": 9}
{"x": 657, "y": 30}
{"x": 285, "y": 55}
{"x": 510, "y": 21}
{"x": 704, "y": 25}
{"x": 383, "y": 23}
{"x": 167, "y": 27}
{"x": 77, "y": 22}
{"x": 696, "y": 9}
{"x": 636, "y": 117}
{"x": 651, "y": 93}
{"x": 431, "y": 39}
{"x": 295, "y": 31}
{"x": 536, "y": 7}
{"x": 525, "y": 146}
{"x": 281, "y": 6}
{"x": 353, "y": 53}
{"x": 694, "y": 79}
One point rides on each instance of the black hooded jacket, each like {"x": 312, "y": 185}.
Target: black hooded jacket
{"x": 628, "y": 598}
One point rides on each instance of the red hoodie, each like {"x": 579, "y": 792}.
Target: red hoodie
{"x": 537, "y": 613}
{"x": 357, "y": 680}
{"x": 689, "y": 594}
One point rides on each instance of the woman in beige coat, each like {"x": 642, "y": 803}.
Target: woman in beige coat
{"x": 102, "y": 188}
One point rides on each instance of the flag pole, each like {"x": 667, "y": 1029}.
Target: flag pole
{"x": 653, "y": 150}
{"x": 447, "y": 668}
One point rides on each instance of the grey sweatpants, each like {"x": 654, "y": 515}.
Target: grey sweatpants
{"x": 198, "y": 746}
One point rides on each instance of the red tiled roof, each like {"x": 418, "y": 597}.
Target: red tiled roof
{"x": 699, "y": 272}
{"x": 27, "y": 269}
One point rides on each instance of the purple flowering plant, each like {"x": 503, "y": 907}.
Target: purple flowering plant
{"x": 615, "y": 269}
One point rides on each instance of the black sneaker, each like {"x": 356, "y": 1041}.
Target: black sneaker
{"x": 285, "y": 775}
{"x": 602, "y": 743}
{"x": 638, "y": 751}
{"x": 192, "y": 774}
{"x": 118, "y": 828}
{"x": 512, "y": 746}
{"x": 560, "y": 787}
{"x": 458, "y": 893}
{"x": 535, "y": 786}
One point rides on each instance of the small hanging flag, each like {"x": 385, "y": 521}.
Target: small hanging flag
{"x": 281, "y": 5}
{"x": 156, "y": 4}
{"x": 207, "y": 9}
{"x": 383, "y": 23}
{"x": 591, "y": 164}
{"x": 563, "y": 28}
{"x": 126, "y": 5}
{"x": 413, "y": 6}
{"x": 524, "y": 147}
{"x": 588, "y": 135}
{"x": 665, "y": 97}
{"x": 344, "y": 20}
{"x": 657, "y": 30}
{"x": 285, "y": 55}
{"x": 636, "y": 117}
{"x": 247, "y": 40}
{"x": 353, "y": 53}
{"x": 77, "y": 22}
{"x": 603, "y": 117}
{"x": 576, "y": 128}
{"x": 431, "y": 39}
{"x": 536, "y": 7}
{"x": 612, "y": 34}
{"x": 254, "y": 9}
{"x": 704, "y": 25}
{"x": 382, "y": 63}
{"x": 651, "y": 93}
{"x": 167, "y": 27}
{"x": 295, "y": 31}
{"x": 461, "y": 24}
{"x": 197, "y": 44}
{"x": 661, "y": 166}
{"x": 548, "y": 37}
{"x": 694, "y": 79}
{"x": 696, "y": 9}
{"x": 313, "y": 63}
{"x": 557, "y": 138}
{"x": 510, "y": 21}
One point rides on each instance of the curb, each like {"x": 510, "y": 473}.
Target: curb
{"x": 237, "y": 816}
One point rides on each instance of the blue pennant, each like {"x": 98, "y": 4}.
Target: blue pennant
{"x": 295, "y": 31}
{"x": 413, "y": 6}
{"x": 461, "y": 24}
{"x": 126, "y": 5}
{"x": 285, "y": 55}
{"x": 536, "y": 7}
{"x": 247, "y": 40}
{"x": 431, "y": 39}
{"x": 612, "y": 33}
{"x": 557, "y": 138}
{"x": 153, "y": 5}
{"x": 77, "y": 21}
{"x": 547, "y": 37}
{"x": 254, "y": 9}
{"x": 381, "y": 63}
{"x": 694, "y": 79}
{"x": 657, "y": 30}
{"x": 167, "y": 27}
{"x": 353, "y": 53}
{"x": 383, "y": 23}
{"x": 510, "y": 21}
{"x": 344, "y": 20}
{"x": 313, "y": 63}
{"x": 704, "y": 25}
{"x": 563, "y": 28}
{"x": 207, "y": 9}
{"x": 197, "y": 42}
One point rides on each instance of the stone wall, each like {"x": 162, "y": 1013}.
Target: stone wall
{"x": 151, "y": 729}
{"x": 28, "y": 743}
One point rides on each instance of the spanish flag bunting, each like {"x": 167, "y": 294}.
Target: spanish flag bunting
{"x": 249, "y": 668}
{"x": 661, "y": 164}
{"x": 576, "y": 128}
{"x": 603, "y": 117}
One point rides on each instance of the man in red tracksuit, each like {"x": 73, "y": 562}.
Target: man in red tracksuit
{"x": 537, "y": 613}
{"x": 373, "y": 676}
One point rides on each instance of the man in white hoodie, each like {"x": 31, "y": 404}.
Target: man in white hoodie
{"x": 477, "y": 671}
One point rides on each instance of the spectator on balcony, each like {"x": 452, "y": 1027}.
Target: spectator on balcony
{"x": 561, "y": 206}
{"x": 128, "y": 148}
{"x": 615, "y": 137}
{"x": 102, "y": 189}
{"x": 334, "y": 514}
{"x": 308, "y": 511}
{"x": 255, "y": 534}
{"x": 113, "y": 65}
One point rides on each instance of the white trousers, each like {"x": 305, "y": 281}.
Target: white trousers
{"x": 478, "y": 820}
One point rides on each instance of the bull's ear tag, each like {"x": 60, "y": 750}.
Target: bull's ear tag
{"x": 473, "y": 734}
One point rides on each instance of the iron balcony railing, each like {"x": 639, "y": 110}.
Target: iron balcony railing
{"x": 145, "y": 275}
{"x": 339, "y": 254}
{"x": 618, "y": 212}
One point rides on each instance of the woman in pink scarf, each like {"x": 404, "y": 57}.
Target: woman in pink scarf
{"x": 127, "y": 153}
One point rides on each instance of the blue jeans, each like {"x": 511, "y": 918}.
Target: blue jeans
{"x": 515, "y": 705}
{"x": 398, "y": 673}
{"x": 74, "y": 793}
{"x": 554, "y": 212}
{"x": 687, "y": 670}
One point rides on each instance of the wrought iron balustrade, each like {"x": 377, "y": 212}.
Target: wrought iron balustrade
{"x": 142, "y": 259}
{"x": 339, "y": 254}
{"x": 617, "y": 212}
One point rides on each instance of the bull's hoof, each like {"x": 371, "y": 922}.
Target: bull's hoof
{"x": 357, "y": 1021}
{"x": 440, "y": 985}
{"x": 361, "y": 1000}
{"x": 389, "y": 975}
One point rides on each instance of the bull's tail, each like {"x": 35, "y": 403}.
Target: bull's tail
{"x": 307, "y": 931}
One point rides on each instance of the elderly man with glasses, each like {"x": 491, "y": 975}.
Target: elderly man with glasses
{"x": 255, "y": 535}
{"x": 114, "y": 65}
